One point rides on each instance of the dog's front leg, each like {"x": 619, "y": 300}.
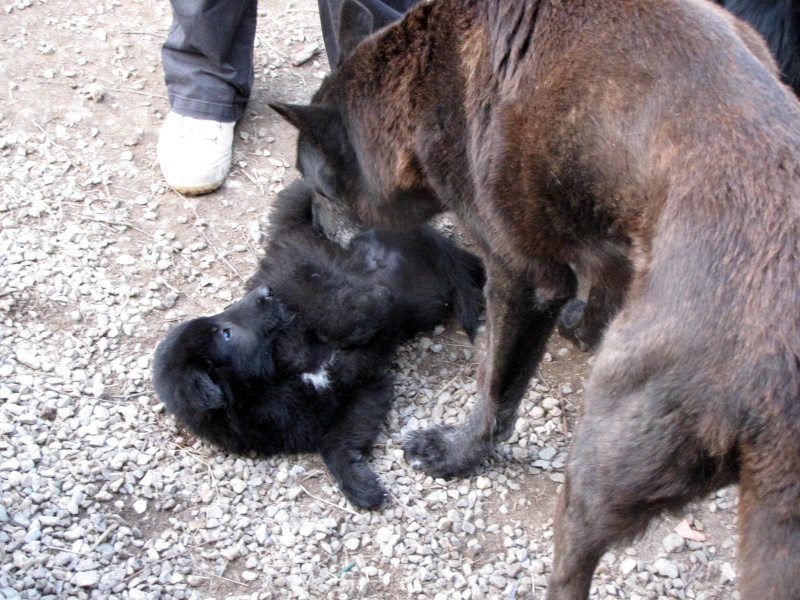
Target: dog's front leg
{"x": 344, "y": 444}
{"x": 522, "y": 308}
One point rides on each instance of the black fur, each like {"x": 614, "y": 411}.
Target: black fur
{"x": 244, "y": 379}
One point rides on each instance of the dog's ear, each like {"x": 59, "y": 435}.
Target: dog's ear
{"x": 325, "y": 155}
{"x": 355, "y": 23}
{"x": 319, "y": 123}
{"x": 331, "y": 152}
{"x": 201, "y": 392}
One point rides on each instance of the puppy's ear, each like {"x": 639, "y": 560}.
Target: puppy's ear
{"x": 201, "y": 392}
{"x": 355, "y": 23}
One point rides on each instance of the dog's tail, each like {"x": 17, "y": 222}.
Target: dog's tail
{"x": 467, "y": 277}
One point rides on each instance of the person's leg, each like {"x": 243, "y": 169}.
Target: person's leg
{"x": 208, "y": 58}
{"x": 208, "y": 68}
{"x": 383, "y": 12}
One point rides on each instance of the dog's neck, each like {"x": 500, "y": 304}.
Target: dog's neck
{"x": 412, "y": 67}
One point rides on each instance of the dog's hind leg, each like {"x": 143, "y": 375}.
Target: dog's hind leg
{"x": 521, "y": 318}
{"x": 635, "y": 453}
{"x": 344, "y": 445}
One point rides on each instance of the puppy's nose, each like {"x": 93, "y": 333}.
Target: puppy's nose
{"x": 265, "y": 291}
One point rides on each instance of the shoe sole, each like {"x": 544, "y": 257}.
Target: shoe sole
{"x": 197, "y": 190}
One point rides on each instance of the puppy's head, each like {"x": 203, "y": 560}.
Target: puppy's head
{"x": 200, "y": 365}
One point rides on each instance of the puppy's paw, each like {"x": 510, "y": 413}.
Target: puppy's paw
{"x": 504, "y": 428}
{"x": 363, "y": 489}
{"x": 441, "y": 452}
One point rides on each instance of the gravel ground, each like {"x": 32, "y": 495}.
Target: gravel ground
{"x": 103, "y": 496}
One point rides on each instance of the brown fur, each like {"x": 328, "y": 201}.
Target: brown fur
{"x": 650, "y": 144}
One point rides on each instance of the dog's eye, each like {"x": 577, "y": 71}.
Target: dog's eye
{"x": 226, "y": 334}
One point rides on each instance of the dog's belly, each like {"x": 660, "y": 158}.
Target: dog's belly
{"x": 378, "y": 256}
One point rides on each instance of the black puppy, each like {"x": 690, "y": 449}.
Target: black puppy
{"x": 300, "y": 364}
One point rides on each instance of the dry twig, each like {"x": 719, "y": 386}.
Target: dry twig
{"x": 352, "y": 512}
{"x": 254, "y": 180}
{"x": 208, "y": 240}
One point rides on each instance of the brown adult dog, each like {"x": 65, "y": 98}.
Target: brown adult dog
{"x": 650, "y": 144}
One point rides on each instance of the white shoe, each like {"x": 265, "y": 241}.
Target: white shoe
{"x": 194, "y": 154}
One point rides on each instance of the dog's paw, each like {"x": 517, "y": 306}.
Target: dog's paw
{"x": 504, "y": 428}
{"x": 424, "y": 449}
{"x": 441, "y": 452}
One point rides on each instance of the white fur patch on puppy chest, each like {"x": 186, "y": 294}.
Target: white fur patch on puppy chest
{"x": 320, "y": 379}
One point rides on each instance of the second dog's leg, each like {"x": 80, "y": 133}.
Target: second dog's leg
{"x": 344, "y": 445}
{"x": 522, "y": 308}
{"x": 584, "y": 323}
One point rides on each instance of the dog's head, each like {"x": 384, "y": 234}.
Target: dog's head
{"x": 353, "y": 148}
{"x": 202, "y": 362}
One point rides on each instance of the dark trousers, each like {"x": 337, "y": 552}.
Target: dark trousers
{"x": 383, "y": 13}
{"x": 208, "y": 54}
